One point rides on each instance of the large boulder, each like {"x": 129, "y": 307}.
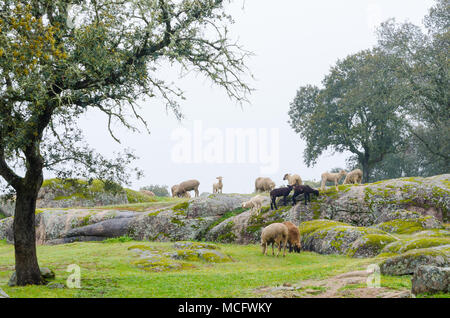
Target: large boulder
{"x": 373, "y": 203}
{"x": 409, "y": 226}
{"x": 431, "y": 279}
{"x": 330, "y": 237}
{"x": 185, "y": 221}
{"x": 408, "y": 262}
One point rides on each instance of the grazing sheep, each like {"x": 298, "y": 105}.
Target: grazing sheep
{"x": 264, "y": 184}
{"x": 332, "y": 177}
{"x": 275, "y": 233}
{"x": 306, "y": 190}
{"x": 293, "y": 237}
{"x": 279, "y": 192}
{"x": 293, "y": 179}
{"x": 217, "y": 187}
{"x": 147, "y": 192}
{"x": 186, "y": 186}
{"x": 254, "y": 202}
{"x": 354, "y": 177}
{"x": 174, "y": 190}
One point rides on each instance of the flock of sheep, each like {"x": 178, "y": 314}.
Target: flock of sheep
{"x": 282, "y": 234}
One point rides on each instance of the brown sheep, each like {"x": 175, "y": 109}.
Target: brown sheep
{"x": 186, "y": 186}
{"x": 264, "y": 184}
{"x": 275, "y": 233}
{"x": 354, "y": 177}
{"x": 293, "y": 237}
{"x": 293, "y": 179}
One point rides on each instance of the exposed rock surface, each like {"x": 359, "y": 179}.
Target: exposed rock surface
{"x": 431, "y": 279}
{"x": 408, "y": 262}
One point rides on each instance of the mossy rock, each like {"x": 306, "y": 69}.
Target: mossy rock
{"x": 188, "y": 255}
{"x": 195, "y": 245}
{"x": 160, "y": 265}
{"x": 370, "y": 245}
{"x": 433, "y": 233}
{"x": 407, "y": 263}
{"x": 405, "y": 245}
{"x": 336, "y": 239}
{"x": 308, "y": 227}
{"x": 409, "y": 226}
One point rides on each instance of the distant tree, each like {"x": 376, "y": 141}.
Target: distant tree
{"x": 422, "y": 65}
{"x": 357, "y": 110}
{"x": 54, "y": 69}
{"x": 158, "y": 190}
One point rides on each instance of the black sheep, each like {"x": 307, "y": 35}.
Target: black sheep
{"x": 306, "y": 190}
{"x": 280, "y": 192}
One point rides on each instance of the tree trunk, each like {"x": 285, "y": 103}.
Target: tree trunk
{"x": 366, "y": 171}
{"x": 27, "y": 268}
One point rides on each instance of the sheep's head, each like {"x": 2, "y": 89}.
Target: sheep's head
{"x": 286, "y": 176}
{"x": 174, "y": 190}
{"x": 219, "y": 178}
{"x": 297, "y": 247}
{"x": 271, "y": 185}
{"x": 246, "y": 205}
{"x": 342, "y": 172}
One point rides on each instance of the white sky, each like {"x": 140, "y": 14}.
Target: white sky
{"x": 295, "y": 43}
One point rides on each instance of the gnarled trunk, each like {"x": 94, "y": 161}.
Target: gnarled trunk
{"x": 27, "y": 268}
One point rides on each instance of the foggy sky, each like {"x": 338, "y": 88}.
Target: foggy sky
{"x": 295, "y": 43}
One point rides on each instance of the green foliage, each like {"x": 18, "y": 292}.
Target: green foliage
{"x": 158, "y": 190}
{"x": 356, "y": 111}
{"x": 138, "y": 197}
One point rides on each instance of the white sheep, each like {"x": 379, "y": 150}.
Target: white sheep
{"x": 275, "y": 233}
{"x": 185, "y": 186}
{"x": 254, "y": 203}
{"x": 217, "y": 187}
{"x": 264, "y": 184}
{"x": 332, "y": 177}
{"x": 354, "y": 177}
{"x": 293, "y": 179}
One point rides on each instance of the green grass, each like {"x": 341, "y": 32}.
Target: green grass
{"x": 106, "y": 271}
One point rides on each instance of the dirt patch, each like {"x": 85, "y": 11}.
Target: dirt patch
{"x": 348, "y": 285}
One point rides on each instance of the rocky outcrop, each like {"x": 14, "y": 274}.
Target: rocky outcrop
{"x": 369, "y": 204}
{"x": 431, "y": 279}
{"x": 184, "y": 221}
{"x": 331, "y": 237}
{"x": 408, "y": 262}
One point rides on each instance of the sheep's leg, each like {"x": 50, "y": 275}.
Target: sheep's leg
{"x": 264, "y": 247}
{"x": 285, "y": 200}
{"x": 284, "y": 251}
{"x": 322, "y": 186}
{"x": 279, "y": 248}
{"x": 273, "y": 251}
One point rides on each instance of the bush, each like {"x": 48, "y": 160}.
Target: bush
{"x": 158, "y": 190}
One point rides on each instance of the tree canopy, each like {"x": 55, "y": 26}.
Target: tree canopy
{"x": 54, "y": 68}
{"x": 357, "y": 110}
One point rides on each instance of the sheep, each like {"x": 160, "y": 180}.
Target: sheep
{"x": 354, "y": 177}
{"x": 293, "y": 237}
{"x": 264, "y": 184}
{"x": 218, "y": 186}
{"x": 332, "y": 177}
{"x": 306, "y": 190}
{"x": 293, "y": 179}
{"x": 279, "y": 192}
{"x": 254, "y": 202}
{"x": 174, "y": 190}
{"x": 147, "y": 192}
{"x": 186, "y": 186}
{"x": 275, "y": 233}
